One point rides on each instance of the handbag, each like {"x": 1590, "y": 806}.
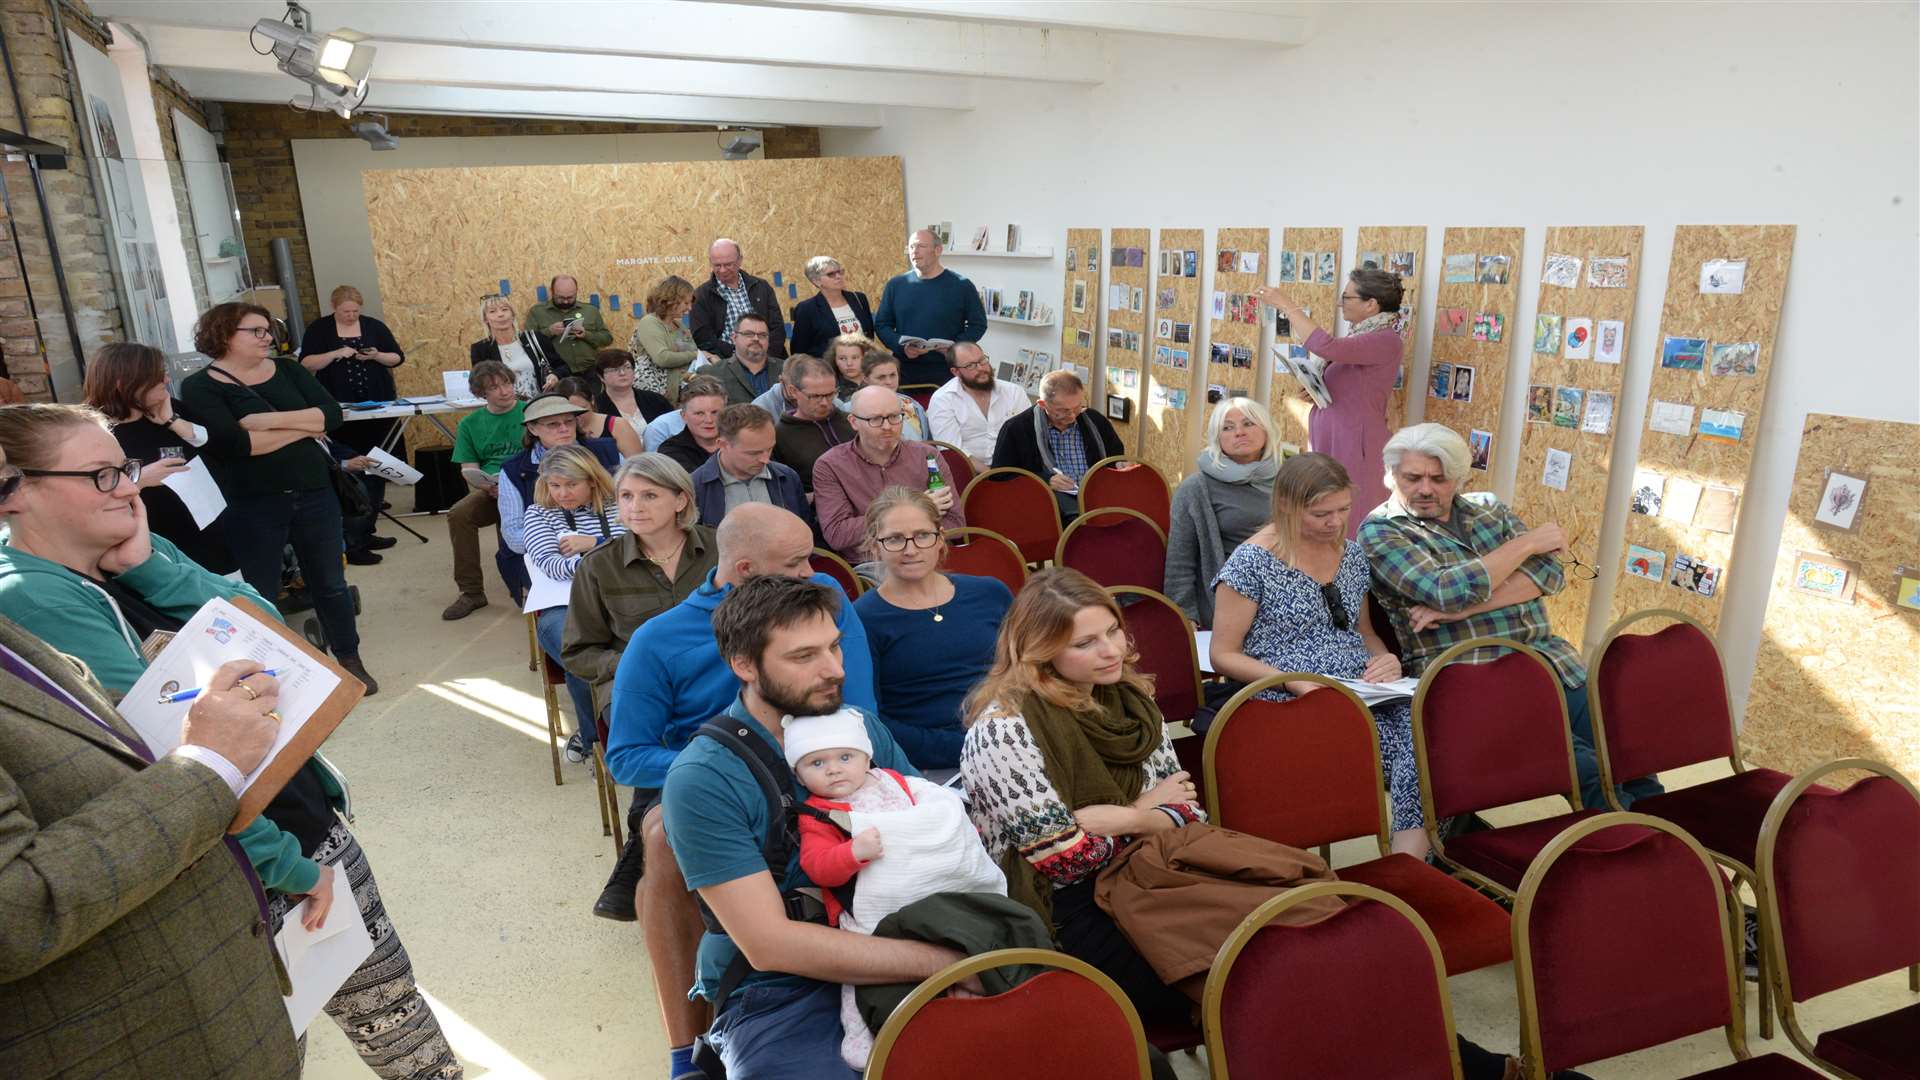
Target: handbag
{"x": 646, "y": 374}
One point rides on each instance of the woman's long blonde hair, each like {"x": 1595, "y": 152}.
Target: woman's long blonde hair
{"x": 1036, "y": 630}
{"x": 1302, "y": 479}
{"x": 574, "y": 462}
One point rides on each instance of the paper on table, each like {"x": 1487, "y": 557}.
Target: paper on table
{"x": 217, "y": 633}
{"x": 454, "y": 386}
{"x": 319, "y": 961}
{"x": 545, "y": 592}
{"x": 196, "y": 487}
{"x": 392, "y": 468}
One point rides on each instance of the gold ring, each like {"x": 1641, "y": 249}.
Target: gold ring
{"x": 251, "y": 696}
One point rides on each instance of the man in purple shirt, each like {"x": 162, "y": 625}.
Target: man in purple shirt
{"x": 847, "y": 477}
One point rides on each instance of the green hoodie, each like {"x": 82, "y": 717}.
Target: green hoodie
{"x": 78, "y": 618}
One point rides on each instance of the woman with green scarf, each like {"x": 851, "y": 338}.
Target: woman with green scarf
{"x": 1217, "y": 508}
{"x": 1066, "y": 758}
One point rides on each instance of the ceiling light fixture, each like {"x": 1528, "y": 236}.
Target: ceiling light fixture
{"x": 335, "y": 65}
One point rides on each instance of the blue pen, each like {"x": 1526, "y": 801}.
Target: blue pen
{"x": 188, "y": 695}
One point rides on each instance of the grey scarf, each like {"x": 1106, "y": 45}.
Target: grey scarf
{"x": 1089, "y": 435}
{"x": 1259, "y": 473}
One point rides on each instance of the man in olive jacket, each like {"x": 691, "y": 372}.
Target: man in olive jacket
{"x": 132, "y": 941}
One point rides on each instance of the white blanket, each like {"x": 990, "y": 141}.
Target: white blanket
{"x": 930, "y": 847}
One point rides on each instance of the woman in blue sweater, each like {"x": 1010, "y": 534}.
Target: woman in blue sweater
{"x": 932, "y": 633}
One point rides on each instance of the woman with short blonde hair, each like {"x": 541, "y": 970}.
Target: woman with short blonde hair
{"x": 536, "y": 367}
{"x": 822, "y": 318}
{"x": 1221, "y": 503}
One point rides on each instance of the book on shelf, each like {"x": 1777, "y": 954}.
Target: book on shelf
{"x": 980, "y": 238}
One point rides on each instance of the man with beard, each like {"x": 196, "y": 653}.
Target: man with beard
{"x": 575, "y": 330}
{"x": 746, "y": 373}
{"x": 969, "y": 409}
{"x": 778, "y": 636}
{"x": 672, "y": 679}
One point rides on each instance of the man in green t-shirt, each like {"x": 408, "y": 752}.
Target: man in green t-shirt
{"x": 575, "y": 330}
{"x": 485, "y": 438}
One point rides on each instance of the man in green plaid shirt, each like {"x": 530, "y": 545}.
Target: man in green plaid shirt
{"x": 1449, "y": 567}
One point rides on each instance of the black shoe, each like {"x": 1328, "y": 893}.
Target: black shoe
{"x": 386, "y": 506}
{"x": 616, "y": 900}
{"x": 362, "y": 557}
{"x": 359, "y": 671}
{"x": 381, "y": 543}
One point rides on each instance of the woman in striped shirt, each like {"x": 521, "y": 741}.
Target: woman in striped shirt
{"x": 573, "y": 512}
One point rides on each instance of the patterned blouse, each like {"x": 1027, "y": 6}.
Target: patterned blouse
{"x": 1015, "y": 805}
{"x": 1292, "y": 629}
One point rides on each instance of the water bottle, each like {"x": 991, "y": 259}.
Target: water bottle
{"x": 935, "y": 482}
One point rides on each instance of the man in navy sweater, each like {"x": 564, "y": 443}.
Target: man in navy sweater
{"x": 928, "y": 302}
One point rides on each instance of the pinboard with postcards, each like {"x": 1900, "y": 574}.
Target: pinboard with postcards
{"x": 1589, "y": 275}
{"x": 1128, "y": 278}
{"x": 1307, "y": 269}
{"x": 1167, "y": 439}
{"x": 1725, "y": 287}
{"x": 1080, "y": 315}
{"x": 1235, "y": 318}
{"x": 1838, "y": 648}
{"x": 1405, "y": 247}
{"x": 1466, "y": 378}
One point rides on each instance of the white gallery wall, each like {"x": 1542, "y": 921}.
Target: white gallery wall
{"x": 1501, "y": 114}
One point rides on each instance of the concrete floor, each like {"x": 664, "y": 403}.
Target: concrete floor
{"x": 488, "y": 869}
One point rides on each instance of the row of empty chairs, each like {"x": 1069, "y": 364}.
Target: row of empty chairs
{"x": 1622, "y": 936}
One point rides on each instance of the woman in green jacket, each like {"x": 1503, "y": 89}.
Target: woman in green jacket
{"x": 80, "y": 569}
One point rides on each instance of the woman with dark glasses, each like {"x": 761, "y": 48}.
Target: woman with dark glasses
{"x": 1294, "y": 598}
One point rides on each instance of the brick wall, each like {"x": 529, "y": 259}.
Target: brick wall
{"x": 35, "y": 336}
{"x": 259, "y": 151}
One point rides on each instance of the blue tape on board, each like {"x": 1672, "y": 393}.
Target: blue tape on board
{"x": 506, "y": 287}
{"x": 594, "y": 299}
{"x": 776, "y": 279}
{"x": 540, "y": 294}
{"x": 613, "y": 302}
{"x": 793, "y": 291}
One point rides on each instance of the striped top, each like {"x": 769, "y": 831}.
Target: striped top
{"x": 545, "y": 525}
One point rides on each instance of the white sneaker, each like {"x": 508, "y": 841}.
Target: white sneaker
{"x": 578, "y": 750}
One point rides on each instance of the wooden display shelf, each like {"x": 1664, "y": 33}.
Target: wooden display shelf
{"x": 1035, "y": 253}
{"x": 1018, "y": 322}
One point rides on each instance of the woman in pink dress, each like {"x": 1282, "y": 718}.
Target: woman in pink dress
{"x": 1361, "y": 369}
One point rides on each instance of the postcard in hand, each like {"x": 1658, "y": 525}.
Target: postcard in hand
{"x": 1840, "y": 501}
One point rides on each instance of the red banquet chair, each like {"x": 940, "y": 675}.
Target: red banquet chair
{"x": 837, "y": 568}
{"x": 1659, "y": 701}
{"x": 1620, "y": 942}
{"x": 1019, "y": 506}
{"x": 1164, "y": 639}
{"x": 1116, "y": 547}
{"x": 1306, "y": 772}
{"x": 920, "y": 392}
{"x": 1306, "y": 1001}
{"x": 1129, "y": 483}
{"x": 957, "y": 462}
{"x": 1839, "y": 875}
{"x": 1070, "y": 1023}
{"x": 1490, "y": 735}
{"x": 987, "y": 554}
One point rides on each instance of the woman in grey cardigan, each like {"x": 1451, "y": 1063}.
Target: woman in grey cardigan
{"x": 1218, "y": 507}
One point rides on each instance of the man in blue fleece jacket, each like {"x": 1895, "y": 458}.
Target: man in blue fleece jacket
{"x": 671, "y": 680}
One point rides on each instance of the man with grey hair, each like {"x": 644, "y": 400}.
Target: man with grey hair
{"x": 925, "y": 307}
{"x": 1451, "y": 566}
{"x": 730, "y": 293}
{"x": 1058, "y": 439}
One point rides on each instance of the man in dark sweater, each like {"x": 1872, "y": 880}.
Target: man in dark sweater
{"x": 1058, "y": 439}
{"x": 928, "y": 302}
{"x": 812, "y": 425}
{"x": 730, "y": 293}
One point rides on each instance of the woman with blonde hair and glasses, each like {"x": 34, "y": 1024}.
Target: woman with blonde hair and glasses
{"x": 574, "y": 511}
{"x": 1225, "y": 501}
{"x": 536, "y": 367}
{"x": 932, "y": 633}
{"x": 1294, "y": 598}
{"x": 823, "y": 318}
{"x": 1066, "y": 757}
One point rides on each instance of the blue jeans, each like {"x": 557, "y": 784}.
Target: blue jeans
{"x": 782, "y": 1033}
{"x": 259, "y": 526}
{"x": 1587, "y": 762}
{"x": 549, "y": 626}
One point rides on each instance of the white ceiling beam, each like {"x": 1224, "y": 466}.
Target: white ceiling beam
{"x": 209, "y": 49}
{"x": 1242, "y": 23}
{"x": 210, "y": 85}
{"x": 683, "y": 29}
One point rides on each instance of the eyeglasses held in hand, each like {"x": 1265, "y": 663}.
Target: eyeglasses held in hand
{"x": 1336, "y": 607}
{"x": 1578, "y": 570}
{"x": 923, "y": 539}
{"x": 105, "y": 478}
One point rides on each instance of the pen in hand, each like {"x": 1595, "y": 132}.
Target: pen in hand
{"x": 188, "y": 695}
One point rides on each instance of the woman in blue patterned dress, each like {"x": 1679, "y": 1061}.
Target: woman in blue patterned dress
{"x": 1294, "y": 598}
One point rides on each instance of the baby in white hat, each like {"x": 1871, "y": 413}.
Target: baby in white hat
{"x": 904, "y": 838}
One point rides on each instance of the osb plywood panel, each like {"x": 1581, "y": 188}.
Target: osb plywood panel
{"x": 443, "y": 238}
{"x": 1127, "y": 367}
{"x": 1390, "y": 240}
{"x": 1322, "y": 301}
{"x": 1751, "y": 316}
{"x": 1234, "y": 314}
{"x": 1174, "y": 396}
{"x": 1836, "y": 679}
{"x": 1492, "y": 257}
{"x": 1080, "y": 307}
{"x": 1581, "y": 508}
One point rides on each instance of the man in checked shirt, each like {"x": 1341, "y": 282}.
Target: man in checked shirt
{"x": 1449, "y": 567}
